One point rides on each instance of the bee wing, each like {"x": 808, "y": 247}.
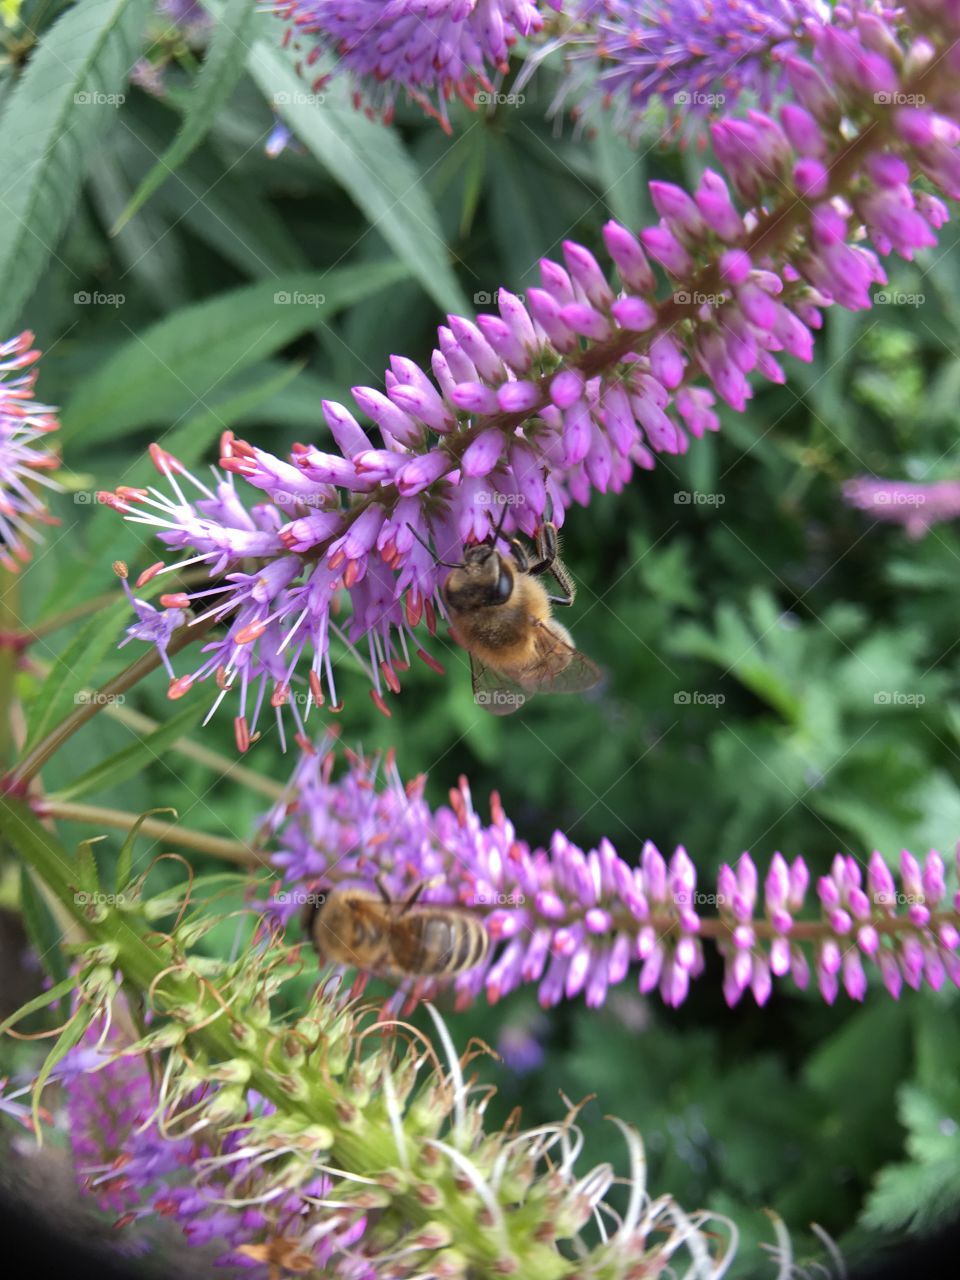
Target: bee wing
{"x": 494, "y": 691}
{"x": 559, "y": 667}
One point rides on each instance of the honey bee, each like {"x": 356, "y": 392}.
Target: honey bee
{"x": 501, "y": 614}
{"x": 395, "y": 940}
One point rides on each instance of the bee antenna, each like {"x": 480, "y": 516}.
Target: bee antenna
{"x": 423, "y": 542}
{"x": 499, "y": 528}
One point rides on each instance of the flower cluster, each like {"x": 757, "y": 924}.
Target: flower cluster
{"x": 690, "y": 57}
{"x": 574, "y": 922}
{"x": 915, "y": 506}
{"x": 140, "y": 1158}
{"x": 24, "y": 461}
{"x": 433, "y": 51}
{"x": 570, "y": 391}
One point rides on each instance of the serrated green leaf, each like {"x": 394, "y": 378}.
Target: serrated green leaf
{"x": 370, "y": 163}
{"x": 170, "y": 370}
{"x": 128, "y": 762}
{"x": 60, "y": 111}
{"x": 221, "y": 71}
{"x": 88, "y": 874}
{"x": 73, "y": 669}
{"x": 42, "y": 930}
{"x": 125, "y": 860}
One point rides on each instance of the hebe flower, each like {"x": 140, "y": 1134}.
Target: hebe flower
{"x": 689, "y": 56}
{"x": 568, "y": 393}
{"x": 915, "y": 506}
{"x": 432, "y": 49}
{"x": 25, "y": 458}
{"x": 574, "y": 922}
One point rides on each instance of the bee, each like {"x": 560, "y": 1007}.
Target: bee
{"x": 501, "y": 614}
{"x": 395, "y": 940}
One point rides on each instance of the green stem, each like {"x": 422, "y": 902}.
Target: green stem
{"x": 184, "y": 837}
{"x": 31, "y": 765}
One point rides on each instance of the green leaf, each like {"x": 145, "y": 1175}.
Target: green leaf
{"x": 170, "y": 370}
{"x": 370, "y": 163}
{"x": 59, "y": 113}
{"x": 221, "y": 71}
{"x": 71, "y": 1035}
{"x": 128, "y": 762}
{"x": 41, "y": 927}
{"x": 72, "y": 669}
{"x": 125, "y": 860}
{"x": 45, "y": 998}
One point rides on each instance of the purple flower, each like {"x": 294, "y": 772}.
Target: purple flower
{"x": 431, "y": 50}
{"x": 691, "y": 57}
{"x": 574, "y": 922}
{"x": 915, "y": 506}
{"x": 25, "y": 460}
{"x": 567, "y": 394}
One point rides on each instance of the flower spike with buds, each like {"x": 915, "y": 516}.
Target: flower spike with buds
{"x": 568, "y": 393}
{"x": 574, "y": 922}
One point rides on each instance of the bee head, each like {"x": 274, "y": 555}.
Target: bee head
{"x": 484, "y": 578}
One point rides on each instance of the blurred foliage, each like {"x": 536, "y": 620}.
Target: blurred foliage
{"x": 780, "y": 674}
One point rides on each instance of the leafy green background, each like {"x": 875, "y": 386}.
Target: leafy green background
{"x": 771, "y": 595}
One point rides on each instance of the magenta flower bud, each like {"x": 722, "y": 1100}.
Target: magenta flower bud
{"x": 757, "y": 306}
{"x": 811, "y": 89}
{"x": 556, "y": 282}
{"x": 743, "y": 935}
{"x": 566, "y": 388}
{"x": 634, "y": 313}
{"x": 399, "y": 425}
{"x": 586, "y": 321}
{"x": 780, "y": 957}
{"x": 654, "y": 872}
{"x": 504, "y": 342}
{"x": 423, "y": 471}
{"x": 528, "y": 470}
{"x": 810, "y": 177}
{"x": 678, "y": 210}
{"x": 934, "y": 210}
{"x": 577, "y": 972}
{"x": 829, "y": 956}
{"x": 713, "y": 200}
{"x": 598, "y": 921}
{"x": 474, "y": 397}
{"x": 518, "y": 397}
{"x": 514, "y": 314}
{"x": 461, "y": 366}
{"x": 910, "y": 874}
{"x": 474, "y": 344}
{"x": 546, "y": 311}
{"x": 916, "y": 126}
{"x": 854, "y": 978}
{"x": 735, "y": 266}
{"x": 631, "y": 262}
{"x": 918, "y": 914}
{"x": 428, "y": 408}
{"x": 887, "y": 170}
{"x": 890, "y": 973}
{"x": 666, "y": 361}
{"x": 802, "y": 131}
{"x": 585, "y": 272}
{"x": 549, "y": 905}
{"x": 949, "y": 937}
{"x": 650, "y": 973}
{"x": 868, "y": 940}
{"x": 618, "y": 418}
{"x": 880, "y": 881}
{"x": 576, "y": 433}
{"x": 349, "y": 435}
{"x": 664, "y": 248}
{"x": 482, "y": 455}
{"x": 858, "y": 903}
{"x": 693, "y": 405}
{"x": 933, "y": 883}
{"x": 760, "y": 981}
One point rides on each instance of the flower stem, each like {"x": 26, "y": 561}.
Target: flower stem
{"x": 130, "y": 676}
{"x": 221, "y": 764}
{"x": 96, "y": 815}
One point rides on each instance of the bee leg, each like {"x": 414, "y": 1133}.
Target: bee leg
{"x": 520, "y": 555}
{"x": 550, "y": 562}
